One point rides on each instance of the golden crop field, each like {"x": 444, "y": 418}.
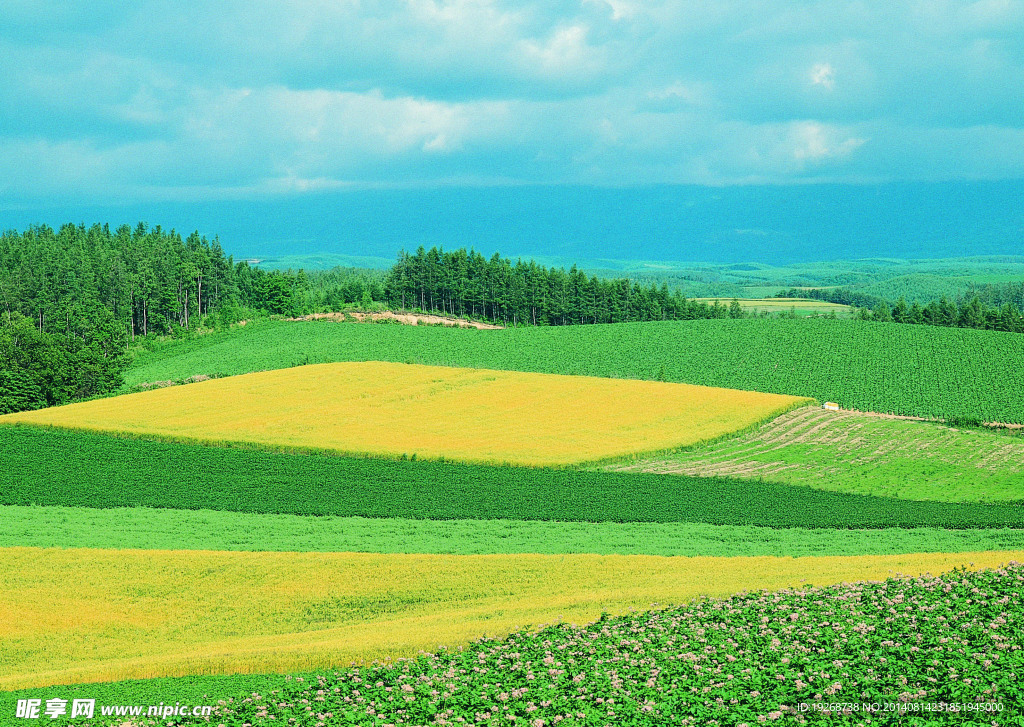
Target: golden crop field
{"x": 391, "y": 409}
{"x": 80, "y": 615}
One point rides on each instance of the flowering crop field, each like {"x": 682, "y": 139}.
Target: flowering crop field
{"x": 394, "y": 409}
{"x": 76, "y": 615}
{"x": 905, "y": 644}
{"x": 56, "y": 467}
{"x": 751, "y": 659}
{"x": 925, "y": 371}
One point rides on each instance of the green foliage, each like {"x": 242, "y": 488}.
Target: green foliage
{"x": 40, "y": 369}
{"x": 269, "y": 292}
{"x": 20, "y": 390}
{"x": 89, "y": 292}
{"x": 925, "y": 371}
{"x": 918, "y": 287}
{"x": 997, "y": 295}
{"x": 166, "y": 529}
{"x": 56, "y": 467}
{"x": 124, "y": 283}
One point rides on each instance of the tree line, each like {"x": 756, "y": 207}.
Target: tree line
{"x": 969, "y": 312}
{"x": 465, "y": 283}
{"x": 75, "y": 299}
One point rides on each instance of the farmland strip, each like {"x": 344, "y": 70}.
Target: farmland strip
{"x": 151, "y": 528}
{"x": 57, "y": 467}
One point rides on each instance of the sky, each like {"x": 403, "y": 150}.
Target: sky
{"x": 112, "y": 101}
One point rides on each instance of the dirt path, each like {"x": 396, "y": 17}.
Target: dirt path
{"x": 411, "y": 319}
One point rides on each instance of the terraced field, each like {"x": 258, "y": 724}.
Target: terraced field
{"x": 861, "y": 453}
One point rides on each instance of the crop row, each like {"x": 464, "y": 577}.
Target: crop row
{"x": 59, "y": 467}
{"x": 912, "y": 370}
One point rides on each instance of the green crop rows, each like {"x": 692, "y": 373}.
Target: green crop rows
{"x": 903, "y": 369}
{"x": 55, "y": 467}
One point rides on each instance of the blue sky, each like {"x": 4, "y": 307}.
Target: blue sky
{"x": 229, "y": 99}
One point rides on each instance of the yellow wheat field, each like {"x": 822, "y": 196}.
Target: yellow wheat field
{"x": 391, "y": 409}
{"x": 80, "y": 615}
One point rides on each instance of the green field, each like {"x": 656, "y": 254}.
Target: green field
{"x": 166, "y": 529}
{"x": 911, "y": 370}
{"x": 58, "y": 467}
{"x": 861, "y": 453}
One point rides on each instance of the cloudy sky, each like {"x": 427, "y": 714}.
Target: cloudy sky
{"x": 162, "y": 99}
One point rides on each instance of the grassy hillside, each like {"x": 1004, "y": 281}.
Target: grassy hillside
{"x": 912, "y": 370}
{"x": 432, "y": 412}
{"x": 56, "y": 467}
{"x": 861, "y": 453}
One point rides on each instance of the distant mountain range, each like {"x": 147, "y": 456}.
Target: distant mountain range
{"x": 776, "y": 225}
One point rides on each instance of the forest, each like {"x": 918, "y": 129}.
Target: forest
{"x": 989, "y": 307}
{"x": 74, "y": 301}
{"x": 465, "y": 283}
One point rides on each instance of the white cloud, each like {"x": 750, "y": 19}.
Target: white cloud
{"x": 565, "y": 52}
{"x": 621, "y": 9}
{"x": 811, "y": 141}
{"x": 679, "y": 94}
{"x": 822, "y": 74}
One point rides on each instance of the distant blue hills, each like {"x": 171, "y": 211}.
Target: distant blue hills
{"x": 774, "y": 225}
